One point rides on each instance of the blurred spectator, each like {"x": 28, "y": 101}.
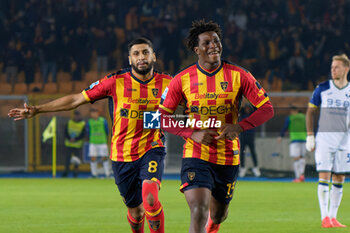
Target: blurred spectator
{"x": 28, "y": 65}
{"x": 97, "y": 131}
{"x": 296, "y": 125}
{"x": 74, "y": 135}
{"x": 102, "y": 49}
{"x": 247, "y": 138}
{"x": 81, "y": 53}
{"x": 171, "y": 47}
{"x": 49, "y": 57}
{"x": 259, "y": 34}
{"x": 12, "y": 61}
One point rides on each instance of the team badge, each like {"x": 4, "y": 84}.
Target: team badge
{"x": 191, "y": 175}
{"x": 224, "y": 85}
{"x": 154, "y": 224}
{"x": 155, "y": 92}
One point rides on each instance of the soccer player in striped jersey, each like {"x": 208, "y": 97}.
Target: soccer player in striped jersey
{"x": 212, "y": 90}
{"x": 137, "y": 154}
{"x": 332, "y": 154}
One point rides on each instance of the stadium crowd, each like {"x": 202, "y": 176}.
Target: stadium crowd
{"x": 286, "y": 40}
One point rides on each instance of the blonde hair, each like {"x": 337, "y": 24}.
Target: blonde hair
{"x": 343, "y": 58}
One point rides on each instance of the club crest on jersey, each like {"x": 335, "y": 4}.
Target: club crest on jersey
{"x": 155, "y": 92}
{"x": 154, "y": 224}
{"x": 191, "y": 175}
{"x": 224, "y": 85}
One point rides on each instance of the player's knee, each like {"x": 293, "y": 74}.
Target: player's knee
{"x": 199, "y": 212}
{"x": 149, "y": 194}
{"x": 219, "y": 216}
{"x": 338, "y": 178}
{"x": 150, "y": 199}
{"x": 93, "y": 158}
{"x": 137, "y": 213}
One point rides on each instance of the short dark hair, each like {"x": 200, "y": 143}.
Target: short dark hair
{"x": 198, "y": 27}
{"x": 140, "y": 40}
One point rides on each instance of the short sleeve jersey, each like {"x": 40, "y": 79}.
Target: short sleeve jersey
{"x": 333, "y": 124}
{"x": 129, "y": 98}
{"x": 214, "y": 95}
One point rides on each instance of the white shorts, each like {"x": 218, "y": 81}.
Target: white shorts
{"x": 98, "y": 150}
{"x": 332, "y": 159}
{"x": 297, "y": 149}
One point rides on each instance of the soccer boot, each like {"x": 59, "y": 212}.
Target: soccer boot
{"x": 256, "y": 171}
{"x": 242, "y": 171}
{"x": 335, "y": 223}
{"x": 326, "y": 222}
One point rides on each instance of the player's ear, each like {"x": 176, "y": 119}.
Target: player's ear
{"x": 196, "y": 50}
{"x": 154, "y": 57}
{"x": 129, "y": 60}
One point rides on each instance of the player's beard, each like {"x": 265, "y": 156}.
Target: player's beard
{"x": 143, "y": 71}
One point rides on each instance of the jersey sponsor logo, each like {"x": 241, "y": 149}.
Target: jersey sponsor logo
{"x": 124, "y": 112}
{"x": 141, "y": 101}
{"x": 224, "y": 85}
{"x": 132, "y": 114}
{"x": 194, "y": 108}
{"x": 197, "y": 84}
{"x": 338, "y": 103}
{"x": 155, "y": 92}
{"x": 212, "y": 110}
{"x": 165, "y": 93}
{"x": 162, "y": 98}
{"x": 151, "y": 120}
{"x": 94, "y": 84}
{"x": 210, "y": 95}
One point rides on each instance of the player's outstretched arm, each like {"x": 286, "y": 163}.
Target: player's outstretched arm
{"x": 65, "y": 103}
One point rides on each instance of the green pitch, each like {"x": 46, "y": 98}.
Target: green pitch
{"x": 90, "y": 205}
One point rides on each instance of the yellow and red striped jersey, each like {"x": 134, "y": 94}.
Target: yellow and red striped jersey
{"x": 214, "y": 95}
{"x": 129, "y": 98}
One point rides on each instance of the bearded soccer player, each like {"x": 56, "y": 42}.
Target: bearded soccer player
{"x": 137, "y": 154}
{"x": 332, "y": 154}
{"x": 212, "y": 90}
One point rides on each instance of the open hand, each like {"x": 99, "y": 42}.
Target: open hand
{"x": 22, "y": 113}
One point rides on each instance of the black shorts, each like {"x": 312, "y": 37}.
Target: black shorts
{"x": 220, "y": 179}
{"x": 130, "y": 175}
